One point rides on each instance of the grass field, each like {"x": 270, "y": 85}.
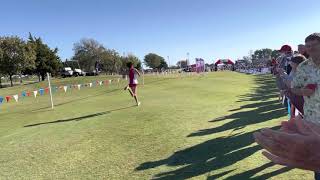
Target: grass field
{"x": 187, "y": 127}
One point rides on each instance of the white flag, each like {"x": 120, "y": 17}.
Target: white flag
{"x": 100, "y": 83}
{"x": 65, "y": 88}
{"x": 118, "y": 80}
{"x": 90, "y": 84}
{"x": 79, "y": 86}
{"x": 16, "y": 97}
{"x": 110, "y": 81}
{"x": 35, "y": 93}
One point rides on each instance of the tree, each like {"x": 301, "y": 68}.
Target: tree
{"x": 153, "y": 60}
{"x": 16, "y": 56}
{"x": 275, "y": 54}
{"x": 87, "y": 52}
{"x": 247, "y": 59}
{"x": 111, "y": 61}
{"x": 163, "y": 64}
{"x": 130, "y": 58}
{"x": 1, "y": 55}
{"x": 46, "y": 60}
{"x": 262, "y": 53}
{"x": 135, "y": 60}
{"x": 182, "y": 64}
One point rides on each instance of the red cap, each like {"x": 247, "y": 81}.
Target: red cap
{"x": 285, "y": 48}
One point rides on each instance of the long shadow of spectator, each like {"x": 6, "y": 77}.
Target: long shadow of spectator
{"x": 210, "y": 155}
{"x": 249, "y": 174}
{"x": 219, "y": 153}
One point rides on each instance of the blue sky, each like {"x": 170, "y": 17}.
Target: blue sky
{"x": 210, "y": 29}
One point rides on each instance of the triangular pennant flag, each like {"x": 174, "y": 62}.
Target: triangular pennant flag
{"x": 1, "y": 99}
{"x": 35, "y": 93}
{"x": 118, "y": 80}
{"x": 100, "y": 83}
{"x": 28, "y": 94}
{"x": 65, "y": 88}
{"x": 47, "y": 90}
{"x": 106, "y": 82}
{"x": 90, "y": 84}
{"x": 53, "y": 89}
{"x": 41, "y": 91}
{"x": 110, "y": 81}
{"x": 8, "y": 98}
{"x": 23, "y": 94}
{"x": 79, "y": 86}
{"x": 16, "y": 97}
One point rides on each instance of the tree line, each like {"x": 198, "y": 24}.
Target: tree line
{"x": 34, "y": 57}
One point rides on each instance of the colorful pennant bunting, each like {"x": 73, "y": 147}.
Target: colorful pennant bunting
{"x": 16, "y": 97}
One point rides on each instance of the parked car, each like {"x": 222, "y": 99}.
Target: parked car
{"x": 67, "y": 72}
{"x": 92, "y": 73}
{"x": 78, "y": 72}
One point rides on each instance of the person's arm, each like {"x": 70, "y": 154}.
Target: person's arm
{"x": 302, "y": 91}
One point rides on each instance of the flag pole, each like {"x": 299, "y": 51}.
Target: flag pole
{"x": 51, "y": 99}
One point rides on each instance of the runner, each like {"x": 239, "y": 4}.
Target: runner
{"x": 133, "y": 82}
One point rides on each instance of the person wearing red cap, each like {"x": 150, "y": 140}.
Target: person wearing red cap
{"x": 283, "y": 65}
{"x": 286, "y": 52}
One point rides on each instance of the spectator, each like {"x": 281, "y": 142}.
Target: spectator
{"x": 295, "y": 101}
{"x": 302, "y": 50}
{"x": 294, "y": 62}
{"x": 283, "y": 65}
{"x": 286, "y": 54}
{"x": 307, "y": 79}
{"x": 297, "y": 143}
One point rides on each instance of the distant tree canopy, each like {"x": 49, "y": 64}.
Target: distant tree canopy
{"x": 16, "y": 56}
{"x": 46, "y": 59}
{"x": 155, "y": 61}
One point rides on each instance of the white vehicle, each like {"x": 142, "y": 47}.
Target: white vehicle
{"x": 78, "y": 72}
{"x": 66, "y": 72}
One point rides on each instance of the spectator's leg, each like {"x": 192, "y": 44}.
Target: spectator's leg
{"x": 316, "y": 176}
{"x": 293, "y": 111}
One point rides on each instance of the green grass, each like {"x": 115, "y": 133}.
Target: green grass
{"x": 187, "y": 127}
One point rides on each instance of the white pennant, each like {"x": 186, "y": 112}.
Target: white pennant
{"x": 296, "y": 112}
{"x": 118, "y": 80}
{"x": 100, "y": 83}
{"x": 110, "y": 81}
{"x": 90, "y": 84}
{"x": 16, "y": 97}
{"x": 79, "y": 86}
{"x": 35, "y": 93}
{"x": 65, "y": 88}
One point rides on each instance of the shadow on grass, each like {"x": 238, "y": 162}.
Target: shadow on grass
{"x": 222, "y": 152}
{"x": 79, "y": 118}
{"x": 208, "y": 156}
{"x": 249, "y": 174}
